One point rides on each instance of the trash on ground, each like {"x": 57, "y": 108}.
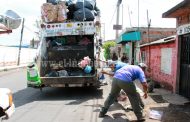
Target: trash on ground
{"x": 122, "y": 96}
{"x": 155, "y": 114}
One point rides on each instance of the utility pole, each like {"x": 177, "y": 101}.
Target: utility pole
{"x": 138, "y": 15}
{"x": 117, "y": 18}
{"x": 18, "y": 62}
{"x": 148, "y": 35}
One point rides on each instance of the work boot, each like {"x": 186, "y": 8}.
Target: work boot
{"x": 142, "y": 119}
{"x": 103, "y": 112}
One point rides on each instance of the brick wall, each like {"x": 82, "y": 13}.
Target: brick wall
{"x": 155, "y": 34}
{"x": 183, "y": 19}
{"x": 167, "y": 80}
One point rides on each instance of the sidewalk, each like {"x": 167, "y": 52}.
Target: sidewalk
{"x": 170, "y": 107}
{"x": 6, "y": 68}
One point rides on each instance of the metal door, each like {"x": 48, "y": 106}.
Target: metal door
{"x": 184, "y": 88}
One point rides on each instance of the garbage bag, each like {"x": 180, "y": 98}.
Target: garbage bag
{"x": 62, "y": 11}
{"x": 87, "y": 69}
{"x": 72, "y": 9}
{"x": 54, "y": 2}
{"x": 49, "y": 12}
{"x": 62, "y": 73}
{"x": 52, "y": 74}
{"x": 84, "y": 14}
{"x": 90, "y": 4}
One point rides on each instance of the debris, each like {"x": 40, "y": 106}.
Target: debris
{"x": 86, "y": 61}
{"x": 62, "y": 73}
{"x": 87, "y": 69}
{"x": 155, "y": 114}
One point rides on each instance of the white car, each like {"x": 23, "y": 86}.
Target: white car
{"x": 7, "y": 107}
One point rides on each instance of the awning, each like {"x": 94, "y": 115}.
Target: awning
{"x": 129, "y": 37}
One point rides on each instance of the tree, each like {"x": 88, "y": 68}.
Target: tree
{"x": 106, "y": 47}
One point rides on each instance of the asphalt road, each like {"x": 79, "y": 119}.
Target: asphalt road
{"x": 78, "y": 104}
{"x": 54, "y": 104}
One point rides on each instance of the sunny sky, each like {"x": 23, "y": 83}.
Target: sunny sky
{"x": 30, "y": 10}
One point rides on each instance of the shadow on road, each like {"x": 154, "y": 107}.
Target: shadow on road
{"x": 79, "y": 95}
{"x": 116, "y": 118}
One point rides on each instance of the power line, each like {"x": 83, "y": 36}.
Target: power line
{"x": 129, "y": 16}
{"x": 113, "y": 16}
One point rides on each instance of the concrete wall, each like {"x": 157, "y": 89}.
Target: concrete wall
{"x": 9, "y": 55}
{"x": 166, "y": 78}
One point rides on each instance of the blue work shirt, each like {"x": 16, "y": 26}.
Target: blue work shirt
{"x": 119, "y": 65}
{"x": 130, "y": 73}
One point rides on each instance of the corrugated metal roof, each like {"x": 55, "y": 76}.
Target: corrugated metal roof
{"x": 160, "y": 41}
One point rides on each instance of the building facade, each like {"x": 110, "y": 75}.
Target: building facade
{"x": 132, "y": 38}
{"x": 161, "y": 59}
{"x": 182, "y": 14}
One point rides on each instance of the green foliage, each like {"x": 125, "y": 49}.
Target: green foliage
{"x": 106, "y": 47}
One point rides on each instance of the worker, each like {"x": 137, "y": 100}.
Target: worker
{"x": 123, "y": 79}
{"x": 116, "y": 65}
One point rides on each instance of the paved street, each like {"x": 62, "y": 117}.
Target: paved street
{"x": 52, "y": 104}
{"x": 82, "y": 105}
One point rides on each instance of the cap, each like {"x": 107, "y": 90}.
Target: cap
{"x": 142, "y": 65}
{"x": 110, "y": 62}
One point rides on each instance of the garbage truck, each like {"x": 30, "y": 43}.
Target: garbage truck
{"x": 68, "y": 45}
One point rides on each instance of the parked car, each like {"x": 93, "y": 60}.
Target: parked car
{"x": 7, "y": 107}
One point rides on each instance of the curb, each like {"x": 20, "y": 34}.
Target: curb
{"x": 7, "y": 68}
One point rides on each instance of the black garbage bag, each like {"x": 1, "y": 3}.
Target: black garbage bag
{"x": 54, "y": 2}
{"x": 84, "y": 14}
{"x": 90, "y": 4}
{"x": 71, "y": 9}
{"x": 52, "y": 74}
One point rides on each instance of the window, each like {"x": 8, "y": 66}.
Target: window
{"x": 143, "y": 56}
{"x": 166, "y": 60}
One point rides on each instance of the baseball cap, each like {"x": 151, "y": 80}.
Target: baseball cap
{"x": 110, "y": 62}
{"x": 142, "y": 65}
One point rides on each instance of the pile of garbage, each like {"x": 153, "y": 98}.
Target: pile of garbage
{"x": 54, "y": 13}
{"x": 61, "y": 11}
{"x": 82, "y": 69}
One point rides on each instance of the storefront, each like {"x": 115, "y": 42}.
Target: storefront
{"x": 129, "y": 41}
